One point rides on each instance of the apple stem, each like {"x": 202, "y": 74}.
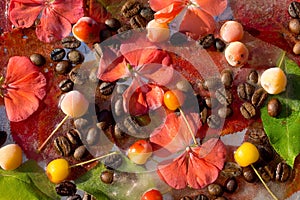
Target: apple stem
{"x": 52, "y": 133}
{"x": 263, "y": 182}
{"x": 188, "y": 125}
{"x": 94, "y": 159}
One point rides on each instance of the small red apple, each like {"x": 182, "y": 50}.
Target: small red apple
{"x": 140, "y": 151}
{"x": 87, "y": 30}
{"x": 152, "y": 194}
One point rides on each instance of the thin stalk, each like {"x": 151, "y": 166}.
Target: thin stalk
{"x": 94, "y": 159}
{"x": 281, "y": 60}
{"x": 188, "y": 125}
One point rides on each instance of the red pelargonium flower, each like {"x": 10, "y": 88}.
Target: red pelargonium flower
{"x": 22, "y": 89}
{"x": 56, "y": 16}
{"x": 194, "y": 16}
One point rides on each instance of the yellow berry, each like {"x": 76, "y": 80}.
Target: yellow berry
{"x": 236, "y": 54}
{"x": 157, "y": 32}
{"x": 58, "y": 170}
{"x": 10, "y": 157}
{"x": 246, "y": 154}
{"x": 273, "y": 80}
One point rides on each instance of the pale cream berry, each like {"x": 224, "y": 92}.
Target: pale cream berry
{"x": 139, "y": 152}
{"x": 157, "y": 32}
{"x": 231, "y": 31}
{"x": 273, "y": 80}
{"x": 10, "y": 157}
{"x": 236, "y": 54}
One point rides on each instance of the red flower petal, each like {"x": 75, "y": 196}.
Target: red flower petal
{"x": 157, "y": 73}
{"x": 213, "y": 7}
{"x": 168, "y": 13}
{"x": 154, "y": 97}
{"x": 157, "y": 5}
{"x": 72, "y": 10}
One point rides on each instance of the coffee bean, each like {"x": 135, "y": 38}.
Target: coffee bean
{"x": 264, "y": 175}
{"x": 203, "y": 115}
{"x": 230, "y": 185}
{"x": 75, "y": 57}
{"x": 147, "y": 13}
{"x": 259, "y": 97}
{"x": 87, "y": 196}
{"x": 137, "y": 21}
{"x": 62, "y": 145}
{"x": 220, "y": 198}
{"x": 213, "y": 121}
{"x": 207, "y": 41}
{"x": 78, "y": 76}
{"x": 124, "y": 177}
{"x": 66, "y": 188}
{"x": 274, "y": 107}
{"x": 224, "y": 112}
{"x": 3, "y": 137}
{"x": 73, "y": 136}
{"x": 178, "y": 39}
{"x": 57, "y": 54}
{"x": 118, "y": 107}
{"x": 231, "y": 169}
{"x": 80, "y": 152}
{"x": 63, "y": 67}
{"x": 92, "y": 136}
{"x": 113, "y": 24}
{"x": 131, "y": 126}
{"x": 131, "y": 8}
{"x": 186, "y": 198}
{"x": 66, "y": 85}
{"x": 257, "y": 136}
{"x": 211, "y": 102}
{"x": 249, "y": 175}
{"x": 248, "y": 110}
{"x": 81, "y": 123}
{"x": 105, "y": 116}
{"x": 215, "y": 189}
{"x": 266, "y": 153}
{"x": 105, "y": 34}
{"x": 253, "y": 77}
{"x": 75, "y": 197}
{"x": 98, "y": 50}
{"x": 294, "y": 26}
{"x": 107, "y": 176}
{"x": 113, "y": 161}
{"x": 70, "y": 42}
{"x": 224, "y": 96}
{"x": 201, "y": 197}
{"x": 37, "y": 59}
{"x": 106, "y": 88}
{"x": 294, "y": 9}
{"x": 118, "y": 132}
{"x": 245, "y": 91}
{"x": 220, "y": 45}
{"x": 124, "y": 32}
{"x": 226, "y": 78}
{"x": 282, "y": 172}
{"x": 212, "y": 83}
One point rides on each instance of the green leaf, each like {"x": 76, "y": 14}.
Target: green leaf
{"x": 29, "y": 181}
{"x": 283, "y": 131}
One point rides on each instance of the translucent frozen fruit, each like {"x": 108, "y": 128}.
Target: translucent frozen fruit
{"x": 86, "y": 30}
{"x": 74, "y": 104}
{"x": 273, "y": 80}
{"x": 236, "y": 54}
{"x": 58, "y": 170}
{"x": 10, "y": 157}
{"x": 231, "y": 31}
{"x": 157, "y": 32}
{"x": 139, "y": 152}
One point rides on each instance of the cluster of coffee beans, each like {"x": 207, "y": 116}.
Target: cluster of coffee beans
{"x": 209, "y": 41}
{"x": 294, "y": 23}
{"x": 69, "y": 189}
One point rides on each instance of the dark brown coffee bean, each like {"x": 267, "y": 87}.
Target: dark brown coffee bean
{"x": 178, "y": 39}
{"x": 37, "y": 59}
{"x": 78, "y": 76}
{"x": 213, "y": 121}
{"x": 215, "y": 189}
{"x": 131, "y": 8}
{"x": 224, "y": 96}
{"x": 282, "y": 172}
{"x": 3, "y": 137}
{"x": 62, "y": 145}
{"x": 230, "y": 185}
{"x": 203, "y": 115}
{"x": 257, "y": 136}
{"x": 211, "y": 102}
{"x": 253, "y": 77}
{"x": 66, "y": 85}
{"x": 75, "y": 57}
{"x": 80, "y": 152}
{"x": 74, "y": 197}
{"x": 264, "y": 175}
{"x": 57, "y": 54}
{"x": 98, "y": 50}
{"x": 201, "y": 197}
{"x": 92, "y": 136}
{"x": 113, "y": 161}
{"x": 107, "y": 176}
{"x": 186, "y": 198}
{"x": 105, "y": 34}
{"x": 118, "y": 107}
{"x": 66, "y": 188}
{"x": 249, "y": 175}
{"x": 274, "y": 107}
{"x": 226, "y": 78}
{"x": 105, "y": 116}
{"x": 118, "y": 132}
{"x": 70, "y": 42}
{"x": 248, "y": 110}
{"x": 231, "y": 169}
{"x": 113, "y": 24}
{"x": 137, "y": 21}
{"x": 63, "y": 67}
{"x": 147, "y": 13}
{"x": 124, "y": 32}
{"x": 106, "y": 88}
{"x": 87, "y": 196}
{"x": 81, "y": 123}
{"x": 245, "y": 91}
{"x": 294, "y": 9}
{"x": 73, "y": 136}
{"x": 212, "y": 83}
{"x": 259, "y": 97}
{"x": 224, "y": 112}
{"x": 220, "y": 45}
{"x": 131, "y": 126}
{"x": 266, "y": 153}
{"x": 207, "y": 41}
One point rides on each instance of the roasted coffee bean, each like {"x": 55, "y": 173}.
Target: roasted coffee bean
{"x": 212, "y": 83}
{"x": 124, "y": 177}
{"x": 75, "y": 57}
{"x": 106, "y": 88}
{"x": 80, "y": 152}
{"x": 63, "y": 67}
{"x": 74, "y": 197}
{"x": 264, "y": 175}
{"x": 98, "y": 50}
{"x": 3, "y": 137}
{"x": 274, "y": 107}
{"x": 113, "y": 24}
{"x": 73, "y": 136}
{"x": 269, "y": 172}
{"x": 266, "y": 152}
{"x": 105, "y": 34}
{"x": 282, "y": 172}
{"x": 220, "y": 45}
{"x": 37, "y": 59}
{"x": 215, "y": 189}
{"x": 230, "y": 185}
{"x": 207, "y": 41}
{"x": 118, "y": 107}
{"x": 107, "y": 176}
{"x": 249, "y": 175}
{"x": 257, "y": 136}
{"x": 66, "y": 85}
{"x": 224, "y": 112}
{"x": 178, "y": 39}
{"x": 57, "y": 54}
{"x": 253, "y": 77}
{"x": 66, "y": 188}
{"x": 259, "y": 97}
{"x": 226, "y": 78}
{"x": 203, "y": 115}
{"x": 248, "y": 110}
{"x": 131, "y": 126}
{"x": 62, "y": 145}
{"x": 245, "y": 91}
{"x": 105, "y": 116}
{"x": 147, "y": 13}
{"x": 70, "y": 42}
{"x": 124, "y": 32}
{"x": 186, "y": 198}
{"x": 137, "y": 21}
{"x": 213, "y": 121}
{"x": 78, "y": 76}
{"x": 113, "y": 161}
{"x": 92, "y": 136}
{"x": 231, "y": 169}
{"x": 87, "y": 196}
{"x": 131, "y": 8}
{"x": 81, "y": 123}
{"x": 224, "y": 96}
{"x": 201, "y": 197}
{"x": 294, "y": 9}
{"x": 211, "y": 102}
{"x": 118, "y": 132}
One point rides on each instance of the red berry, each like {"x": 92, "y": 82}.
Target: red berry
{"x": 86, "y": 30}
{"x": 152, "y": 194}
